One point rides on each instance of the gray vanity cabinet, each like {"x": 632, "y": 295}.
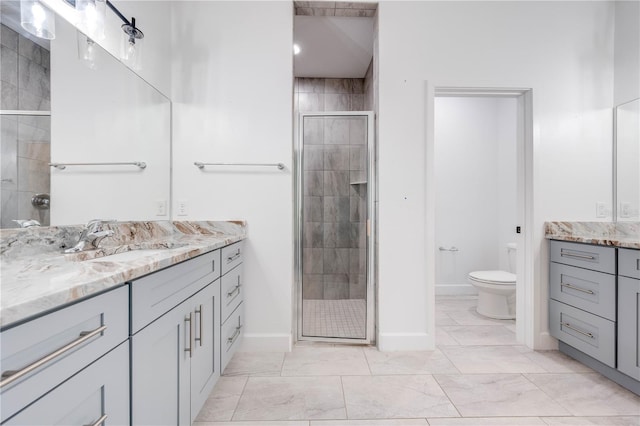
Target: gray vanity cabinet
{"x": 232, "y": 295}
{"x": 175, "y": 358}
{"x": 629, "y": 312}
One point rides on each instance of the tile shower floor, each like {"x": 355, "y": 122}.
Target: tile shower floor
{"x": 334, "y": 318}
{"x": 477, "y": 375}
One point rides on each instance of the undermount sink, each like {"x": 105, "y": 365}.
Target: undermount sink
{"x": 125, "y": 256}
{"x": 123, "y": 253}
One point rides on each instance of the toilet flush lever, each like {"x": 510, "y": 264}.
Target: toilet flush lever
{"x": 452, "y": 248}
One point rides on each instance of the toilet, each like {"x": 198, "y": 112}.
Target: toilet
{"x": 497, "y": 289}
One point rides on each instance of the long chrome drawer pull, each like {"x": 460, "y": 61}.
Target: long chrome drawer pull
{"x": 99, "y": 421}
{"x": 569, "y": 326}
{"x": 232, "y": 292}
{"x": 579, "y": 256}
{"x": 189, "y": 319}
{"x": 573, "y": 287}
{"x": 199, "y": 312}
{"x": 233, "y": 256}
{"x": 11, "y": 376}
{"x": 232, "y": 339}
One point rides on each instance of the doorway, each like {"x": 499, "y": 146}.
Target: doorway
{"x": 483, "y": 176}
{"x": 335, "y": 240}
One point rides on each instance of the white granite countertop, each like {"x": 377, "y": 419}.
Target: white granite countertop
{"x": 619, "y": 234}
{"x": 37, "y": 277}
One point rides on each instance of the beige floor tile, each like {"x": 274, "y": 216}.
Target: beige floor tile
{"x": 323, "y": 361}
{"x": 223, "y": 400}
{"x": 444, "y": 339}
{"x": 443, "y": 318}
{"x": 455, "y": 303}
{"x": 255, "y": 364}
{"x": 481, "y": 334}
{"x": 385, "y": 422}
{"x": 291, "y": 398}
{"x": 588, "y": 394}
{"x": 488, "y": 421}
{"x": 487, "y": 395}
{"x": 593, "y": 421}
{"x": 388, "y": 397}
{"x": 415, "y": 362}
{"x": 554, "y": 361}
{"x": 469, "y": 316}
{"x": 490, "y": 359}
{"x": 257, "y": 423}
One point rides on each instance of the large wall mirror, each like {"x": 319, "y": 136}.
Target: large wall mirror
{"x": 627, "y": 194}
{"x": 109, "y": 127}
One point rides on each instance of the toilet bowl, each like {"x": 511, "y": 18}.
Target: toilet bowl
{"x": 496, "y": 290}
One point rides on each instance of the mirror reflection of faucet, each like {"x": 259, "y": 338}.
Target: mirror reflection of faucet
{"x": 26, "y": 223}
{"x": 91, "y": 236}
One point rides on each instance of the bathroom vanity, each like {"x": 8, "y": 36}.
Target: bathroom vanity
{"x": 594, "y": 291}
{"x": 142, "y": 338}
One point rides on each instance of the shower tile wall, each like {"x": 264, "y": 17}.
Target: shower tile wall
{"x": 334, "y": 256}
{"x": 25, "y": 140}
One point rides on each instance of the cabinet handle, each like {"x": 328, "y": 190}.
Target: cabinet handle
{"x": 578, "y": 256}
{"x": 189, "y": 319}
{"x": 570, "y": 327}
{"x": 11, "y": 376}
{"x": 235, "y": 289}
{"x": 232, "y": 339}
{"x": 573, "y": 287}
{"x": 99, "y": 421}
{"x": 199, "y": 312}
{"x": 233, "y": 256}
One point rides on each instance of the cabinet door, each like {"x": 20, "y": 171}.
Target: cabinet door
{"x": 160, "y": 369}
{"x": 99, "y": 392}
{"x": 205, "y": 361}
{"x": 629, "y": 326}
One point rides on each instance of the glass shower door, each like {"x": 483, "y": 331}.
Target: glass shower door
{"x": 334, "y": 205}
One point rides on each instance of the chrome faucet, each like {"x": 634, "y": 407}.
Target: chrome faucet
{"x": 26, "y": 223}
{"x": 91, "y": 236}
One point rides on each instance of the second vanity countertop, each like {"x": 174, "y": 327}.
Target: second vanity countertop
{"x": 619, "y": 234}
{"x": 37, "y": 277}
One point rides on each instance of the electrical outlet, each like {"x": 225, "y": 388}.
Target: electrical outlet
{"x": 182, "y": 207}
{"x": 601, "y": 210}
{"x": 161, "y": 207}
{"x": 625, "y": 209}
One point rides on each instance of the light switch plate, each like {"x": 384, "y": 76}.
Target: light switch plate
{"x": 161, "y": 207}
{"x": 182, "y": 207}
{"x": 601, "y": 210}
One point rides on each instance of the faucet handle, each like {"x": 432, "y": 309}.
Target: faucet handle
{"x": 95, "y": 225}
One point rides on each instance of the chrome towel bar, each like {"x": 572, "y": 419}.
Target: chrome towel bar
{"x": 448, "y": 248}
{"x": 201, "y": 165}
{"x": 62, "y": 166}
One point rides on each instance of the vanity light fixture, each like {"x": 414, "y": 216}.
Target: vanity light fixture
{"x": 87, "y": 51}
{"x": 37, "y": 19}
{"x": 91, "y": 17}
{"x": 132, "y": 41}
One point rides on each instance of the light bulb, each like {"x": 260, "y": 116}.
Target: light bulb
{"x": 37, "y": 19}
{"x": 39, "y": 15}
{"x": 296, "y": 49}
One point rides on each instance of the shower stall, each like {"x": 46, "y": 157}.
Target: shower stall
{"x": 335, "y": 237}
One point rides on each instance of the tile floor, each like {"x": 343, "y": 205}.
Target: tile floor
{"x": 334, "y": 318}
{"x": 478, "y": 375}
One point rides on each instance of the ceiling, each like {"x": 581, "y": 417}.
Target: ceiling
{"x": 333, "y": 46}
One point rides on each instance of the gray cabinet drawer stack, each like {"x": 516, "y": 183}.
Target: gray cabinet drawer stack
{"x": 232, "y": 312}
{"x": 39, "y": 355}
{"x": 582, "y": 286}
{"x": 629, "y": 312}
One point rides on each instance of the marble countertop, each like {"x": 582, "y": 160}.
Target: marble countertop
{"x": 619, "y": 234}
{"x": 37, "y": 277}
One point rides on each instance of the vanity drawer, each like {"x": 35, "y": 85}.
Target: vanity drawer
{"x": 231, "y": 335}
{"x": 591, "y": 334}
{"x": 157, "y": 293}
{"x": 231, "y": 256}
{"x": 629, "y": 263}
{"x": 96, "y": 325}
{"x": 597, "y": 258}
{"x": 232, "y": 292}
{"x": 591, "y": 291}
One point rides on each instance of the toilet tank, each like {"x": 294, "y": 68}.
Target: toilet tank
{"x": 511, "y": 254}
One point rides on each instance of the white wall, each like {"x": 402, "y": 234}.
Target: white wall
{"x": 627, "y": 51}
{"x": 107, "y": 114}
{"x": 475, "y": 179}
{"x": 564, "y": 52}
{"x": 233, "y": 102}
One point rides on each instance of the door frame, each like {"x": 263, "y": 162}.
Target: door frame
{"x": 370, "y": 325}
{"x": 526, "y": 295}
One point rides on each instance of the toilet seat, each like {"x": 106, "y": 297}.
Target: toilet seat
{"x": 493, "y": 277}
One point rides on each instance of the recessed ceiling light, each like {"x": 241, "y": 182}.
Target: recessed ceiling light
{"x": 296, "y": 49}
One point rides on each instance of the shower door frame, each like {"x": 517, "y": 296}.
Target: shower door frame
{"x": 370, "y": 228}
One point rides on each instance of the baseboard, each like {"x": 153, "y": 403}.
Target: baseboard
{"x": 263, "y": 342}
{"x": 545, "y": 341}
{"x": 455, "y": 290}
{"x": 389, "y": 342}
